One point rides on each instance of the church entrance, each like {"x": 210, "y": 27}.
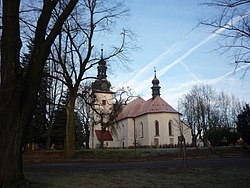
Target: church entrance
{"x": 156, "y": 141}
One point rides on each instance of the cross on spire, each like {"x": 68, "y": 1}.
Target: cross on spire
{"x": 102, "y": 51}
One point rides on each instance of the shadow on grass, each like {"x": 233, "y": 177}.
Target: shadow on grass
{"x": 193, "y": 177}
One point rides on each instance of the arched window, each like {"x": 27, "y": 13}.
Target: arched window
{"x": 170, "y": 130}
{"x": 157, "y": 128}
{"x": 141, "y": 130}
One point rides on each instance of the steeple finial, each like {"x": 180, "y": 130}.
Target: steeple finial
{"x": 155, "y": 71}
{"x": 102, "y": 51}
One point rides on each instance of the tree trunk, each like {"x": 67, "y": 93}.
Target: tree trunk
{"x": 48, "y": 142}
{"x": 86, "y": 126}
{"x": 69, "y": 145}
{"x": 18, "y": 95}
{"x": 11, "y": 171}
{"x": 102, "y": 138}
{"x": 103, "y": 129}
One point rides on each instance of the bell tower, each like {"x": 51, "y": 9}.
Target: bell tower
{"x": 155, "y": 88}
{"x": 103, "y": 104}
{"x": 101, "y": 83}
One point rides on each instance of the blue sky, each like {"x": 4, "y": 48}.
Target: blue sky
{"x": 183, "y": 56}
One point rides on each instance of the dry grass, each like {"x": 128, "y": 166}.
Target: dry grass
{"x": 194, "y": 177}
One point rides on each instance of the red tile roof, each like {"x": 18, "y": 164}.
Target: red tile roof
{"x": 107, "y": 135}
{"x": 155, "y": 105}
{"x": 140, "y": 107}
{"x": 131, "y": 109}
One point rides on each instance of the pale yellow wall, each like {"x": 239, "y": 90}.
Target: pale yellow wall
{"x": 122, "y": 134}
{"x": 141, "y": 139}
{"x": 94, "y": 143}
{"x": 149, "y": 136}
{"x": 163, "y": 119}
{"x": 103, "y": 108}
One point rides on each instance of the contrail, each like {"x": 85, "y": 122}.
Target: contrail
{"x": 145, "y": 83}
{"x": 231, "y": 22}
{"x": 156, "y": 61}
{"x": 207, "y": 81}
{"x": 211, "y": 36}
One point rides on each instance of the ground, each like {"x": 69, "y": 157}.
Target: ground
{"x": 217, "y": 167}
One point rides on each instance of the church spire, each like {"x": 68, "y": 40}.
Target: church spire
{"x": 102, "y": 68}
{"x": 155, "y": 88}
{"x": 101, "y": 83}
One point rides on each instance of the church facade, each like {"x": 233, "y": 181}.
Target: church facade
{"x": 141, "y": 123}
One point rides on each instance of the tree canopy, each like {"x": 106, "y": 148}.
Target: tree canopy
{"x": 204, "y": 108}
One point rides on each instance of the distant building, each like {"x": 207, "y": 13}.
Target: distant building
{"x": 150, "y": 123}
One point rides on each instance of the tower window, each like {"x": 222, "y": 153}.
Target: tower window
{"x": 104, "y": 102}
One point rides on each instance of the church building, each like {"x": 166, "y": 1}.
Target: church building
{"x": 150, "y": 123}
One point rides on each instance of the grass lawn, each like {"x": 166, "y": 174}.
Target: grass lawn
{"x": 193, "y": 177}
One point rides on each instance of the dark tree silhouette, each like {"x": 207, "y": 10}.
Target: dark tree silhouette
{"x": 243, "y": 123}
{"x": 37, "y": 130}
{"x": 18, "y": 90}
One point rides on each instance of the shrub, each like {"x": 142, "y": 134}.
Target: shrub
{"x": 222, "y": 136}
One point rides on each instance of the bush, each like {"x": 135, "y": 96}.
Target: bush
{"x": 222, "y": 137}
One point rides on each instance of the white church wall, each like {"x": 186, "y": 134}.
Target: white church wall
{"x": 130, "y": 138}
{"x": 104, "y": 103}
{"x": 141, "y": 134}
{"x": 121, "y": 140}
{"x": 164, "y": 137}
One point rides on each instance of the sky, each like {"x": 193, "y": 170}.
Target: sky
{"x": 183, "y": 55}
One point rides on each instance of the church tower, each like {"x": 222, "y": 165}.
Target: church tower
{"x": 101, "y": 84}
{"x": 103, "y": 105}
{"x": 155, "y": 88}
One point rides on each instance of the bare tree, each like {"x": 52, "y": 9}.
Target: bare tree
{"x": 204, "y": 108}
{"x": 56, "y": 91}
{"x": 83, "y": 107}
{"x": 232, "y": 23}
{"x": 73, "y": 51}
{"x": 18, "y": 90}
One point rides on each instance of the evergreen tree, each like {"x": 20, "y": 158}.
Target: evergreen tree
{"x": 57, "y": 133}
{"x": 222, "y": 136}
{"x": 79, "y": 131}
{"x": 58, "y": 130}
{"x": 37, "y": 130}
{"x": 243, "y": 123}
